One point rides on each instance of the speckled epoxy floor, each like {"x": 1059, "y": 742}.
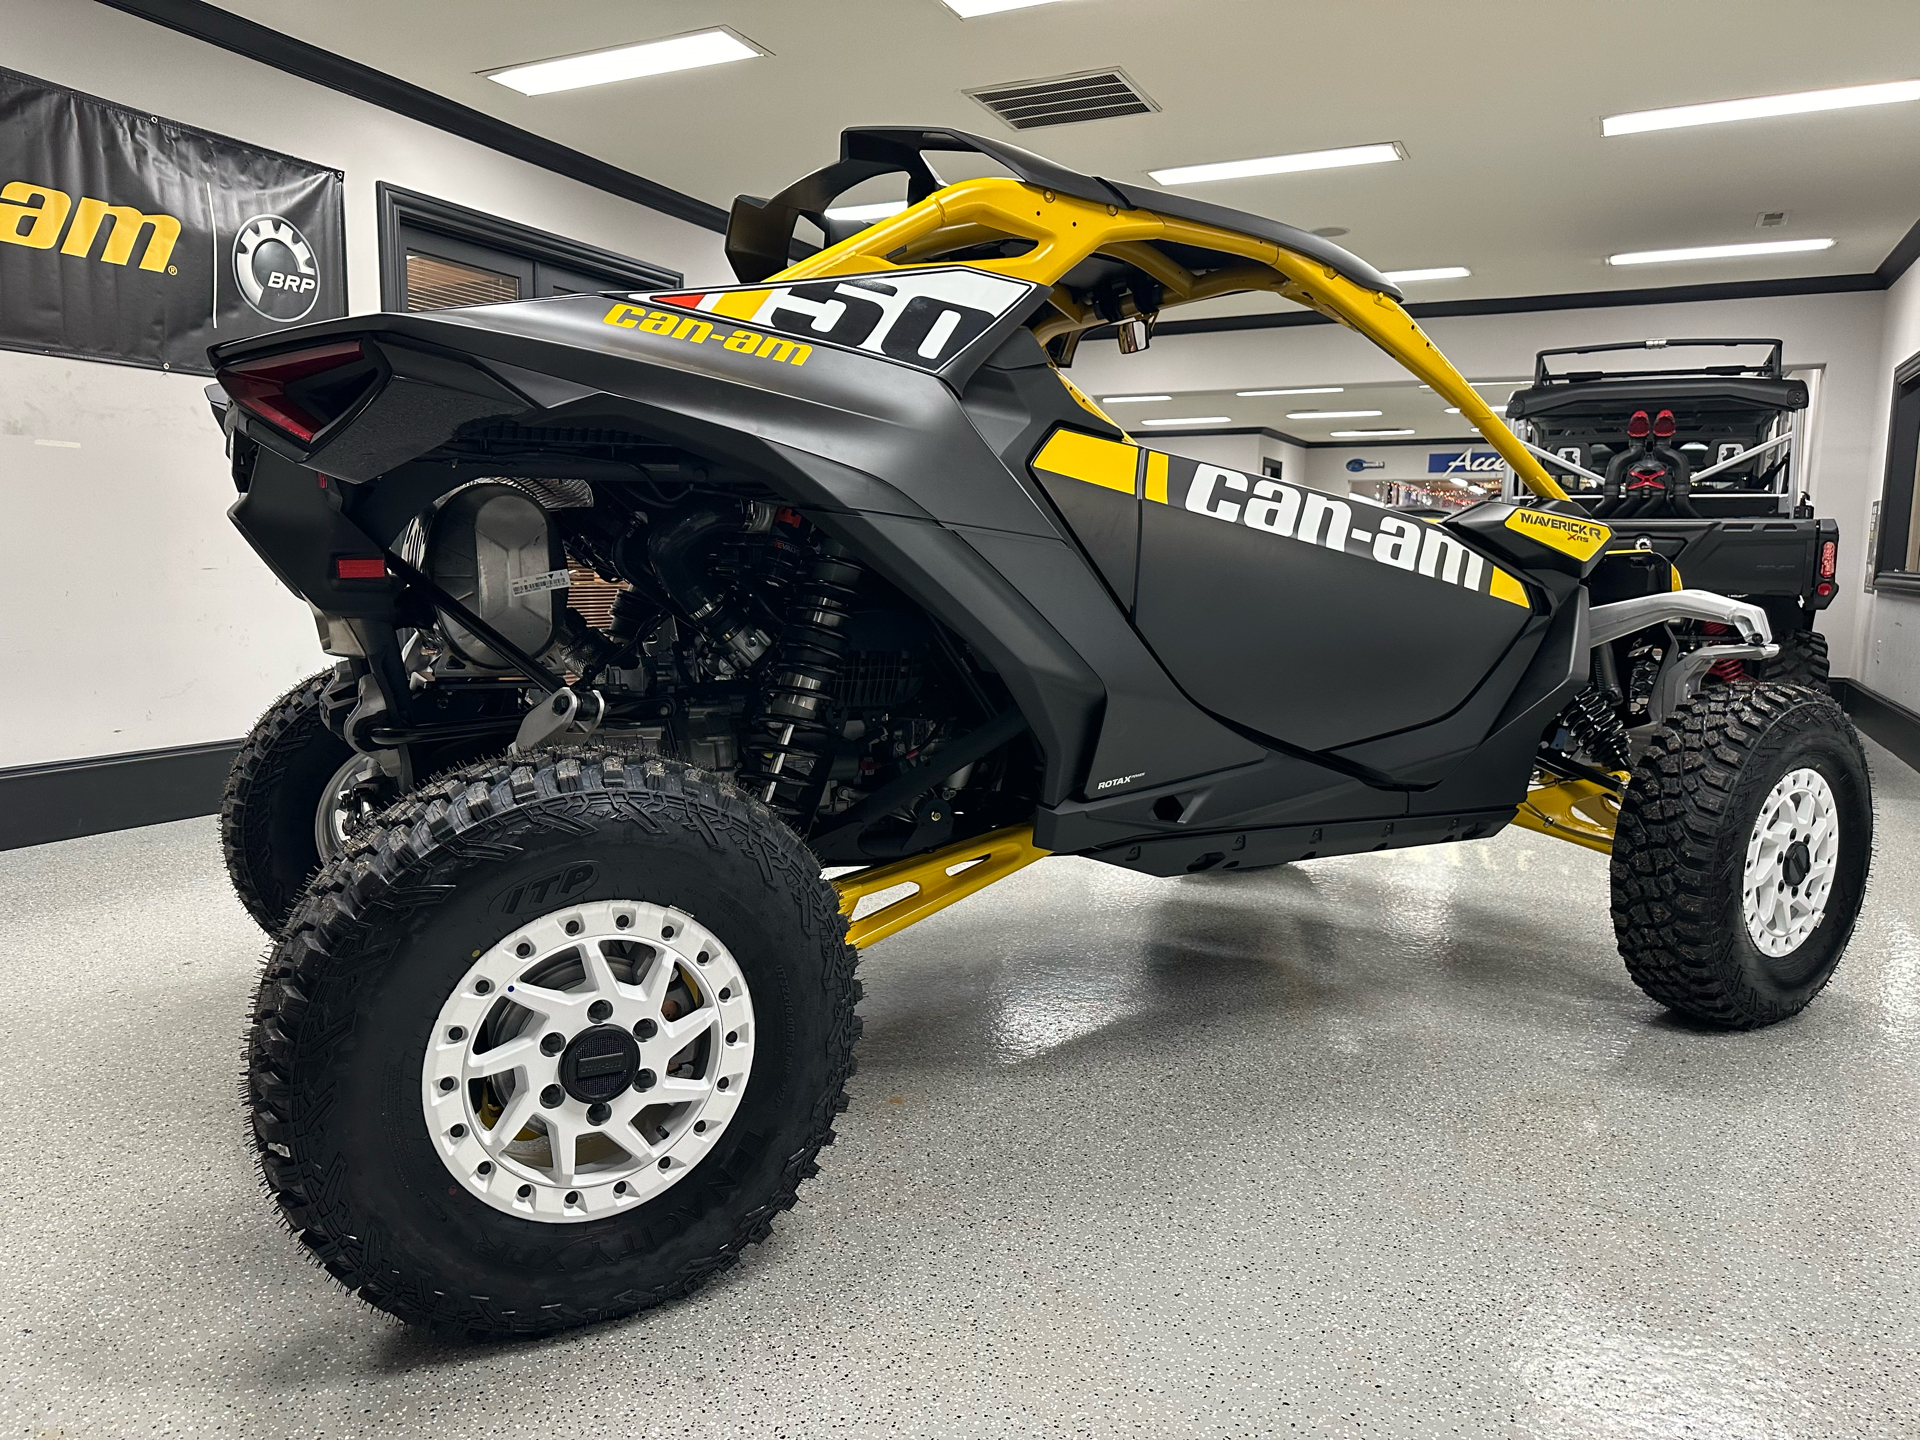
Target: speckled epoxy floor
{"x": 1380, "y": 1146}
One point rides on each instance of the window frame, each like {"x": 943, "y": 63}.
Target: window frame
{"x": 401, "y": 210}
{"x": 1900, "y": 485}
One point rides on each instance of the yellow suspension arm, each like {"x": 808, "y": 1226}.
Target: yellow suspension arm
{"x": 1583, "y": 812}
{"x": 940, "y": 878}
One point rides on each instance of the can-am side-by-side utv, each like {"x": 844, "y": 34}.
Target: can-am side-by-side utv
{"x": 1697, "y": 466}
{"x": 561, "y": 1006}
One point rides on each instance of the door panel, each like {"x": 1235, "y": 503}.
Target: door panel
{"x": 1317, "y": 619}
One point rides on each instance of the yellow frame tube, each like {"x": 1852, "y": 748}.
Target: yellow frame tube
{"x": 1066, "y": 230}
{"x": 1583, "y": 812}
{"x": 995, "y": 856}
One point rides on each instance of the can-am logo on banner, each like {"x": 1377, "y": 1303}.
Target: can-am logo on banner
{"x": 129, "y": 238}
{"x": 1463, "y": 462}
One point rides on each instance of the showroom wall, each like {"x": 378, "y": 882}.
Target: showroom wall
{"x": 1889, "y": 653}
{"x": 1242, "y": 450}
{"x": 1848, "y": 336}
{"x": 134, "y": 617}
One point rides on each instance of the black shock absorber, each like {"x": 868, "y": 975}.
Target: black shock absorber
{"x": 789, "y": 746}
{"x": 1595, "y": 723}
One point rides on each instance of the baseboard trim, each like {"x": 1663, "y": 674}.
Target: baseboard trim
{"x": 1887, "y": 721}
{"x": 71, "y": 798}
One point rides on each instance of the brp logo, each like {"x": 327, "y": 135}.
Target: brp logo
{"x": 275, "y": 268}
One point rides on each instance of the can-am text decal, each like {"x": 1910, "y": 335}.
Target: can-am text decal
{"x": 1351, "y": 524}
{"x": 922, "y": 318}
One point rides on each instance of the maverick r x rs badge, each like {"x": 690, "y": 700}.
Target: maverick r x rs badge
{"x": 646, "y": 606}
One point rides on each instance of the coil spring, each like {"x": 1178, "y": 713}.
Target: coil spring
{"x": 790, "y": 739}
{"x": 1727, "y": 672}
{"x": 1596, "y": 725}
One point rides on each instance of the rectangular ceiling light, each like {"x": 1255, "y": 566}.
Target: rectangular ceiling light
{"x": 1133, "y": 399}
{"x": 628, "y": 62}
{"x": 1279, "y": 164}
{"x": 1718, "y": 112}
{"x": 1438, "y": 272}
{"x": 1332, "y": 414}
{"x": 967, "y": 9}
{"x": 1366, "y": 434}
{"x": 1302, "y": 390}
{"x": 1193, "y": 420}
{"x": 1719, "y": 252}
{"x": 879, "y": 210}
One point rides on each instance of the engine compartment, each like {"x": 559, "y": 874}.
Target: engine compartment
{"x": 739, "y": 638}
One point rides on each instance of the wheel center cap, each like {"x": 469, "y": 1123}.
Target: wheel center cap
{"x": 1796, "y": 863}
{"x": 599, "y": 1064}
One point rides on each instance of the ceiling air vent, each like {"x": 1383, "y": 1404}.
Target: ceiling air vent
{"x": 1065, "y": 99}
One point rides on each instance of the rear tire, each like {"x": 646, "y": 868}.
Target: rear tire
{"x": 1741, "y": 855}
{"x": 374, "y": 1132}
{"x": 273, "y": 791}
{"x": 1802, "y": 661}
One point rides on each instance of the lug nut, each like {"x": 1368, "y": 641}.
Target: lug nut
{"x": 552, "y": 1043}
{"x": 553, "y": 1097}
{"x": 599, "y": 1114}
{"x": 646, "y": 1029}
{"x": 644, "y": 1080}
{"x": 599, "y": 1010}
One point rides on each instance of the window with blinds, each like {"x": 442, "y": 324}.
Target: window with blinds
{"x": 437, "y": 284}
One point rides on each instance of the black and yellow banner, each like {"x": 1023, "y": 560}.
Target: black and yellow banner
{"x": 129, "y": 238}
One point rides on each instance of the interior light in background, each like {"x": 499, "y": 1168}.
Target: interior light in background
{"x": 1719, "y": 252}
{"x": 1718, "y": 112}
{"x": 967, "y": 9}
{"x": 1332, "y": 414}
{"x": 1497, "y": 409}
{"x": 879, "y": 210}
{"x": 1437, "y": 272}
{"x": 1366, "y": 434}
{"x": 1279, "y": 164}
{"x": 1301, "y": 390}
{"x": 1133, "y": 399}
{"x": 628, "y": 62}
{"x": 1192, "y": 420}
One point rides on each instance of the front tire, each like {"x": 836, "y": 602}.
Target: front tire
{"x": 412, "y": 1149}
{"x": 1741, "y": 855}
{"x": 273, "y": 791}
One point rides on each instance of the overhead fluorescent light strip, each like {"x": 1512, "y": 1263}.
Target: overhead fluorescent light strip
{"x": 1366, "y": 434}
{"x": 1760, "y": 107}
{"x": 1333, "y": 414}
{"x": 1279, "y": 164}
{"x": 1192, "y": 420}
{"x": 628, "y": 62}
{"x": 1437, "y": 272}
{"x": 1719, "y": 252}
{"x": 1134, "y": 399}
{"x": 1300, "y": 390}
{"x": 968, "y": 9}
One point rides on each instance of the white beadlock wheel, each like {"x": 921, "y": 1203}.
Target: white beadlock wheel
{"x": 1792, "y": 856}
{"x": 588, "y": 1061}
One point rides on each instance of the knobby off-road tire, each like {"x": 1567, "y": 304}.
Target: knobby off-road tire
{"x": 273, "y": 792}
{"x": 1713, "y": 808}
{"x": 1802, "y": 661}
{"x": 350, "y": 1023}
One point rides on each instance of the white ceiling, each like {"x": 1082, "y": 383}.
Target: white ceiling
{"x": 1497, "y": 102}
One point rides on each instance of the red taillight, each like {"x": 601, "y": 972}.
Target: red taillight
{"x": 1639, "y": 427}
{"x": 1824, "y": 588}
{"x": 1829, "y": 552}
{"x": 260, "y": 387}
{"x": 1664, "y": 426}
{"x": 358, "y": 567}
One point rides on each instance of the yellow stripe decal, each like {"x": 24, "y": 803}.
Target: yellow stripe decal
{"x": 740, "y": 304}
{"x": 1101, "y": 462}
{"x": 1503, "y": 586}
{"x": 1156, "y": 476}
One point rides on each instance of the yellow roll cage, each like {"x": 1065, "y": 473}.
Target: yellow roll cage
{"x": 1065, "y": 230}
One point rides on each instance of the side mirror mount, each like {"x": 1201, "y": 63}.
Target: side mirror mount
{"x": 1134, "y": 334}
